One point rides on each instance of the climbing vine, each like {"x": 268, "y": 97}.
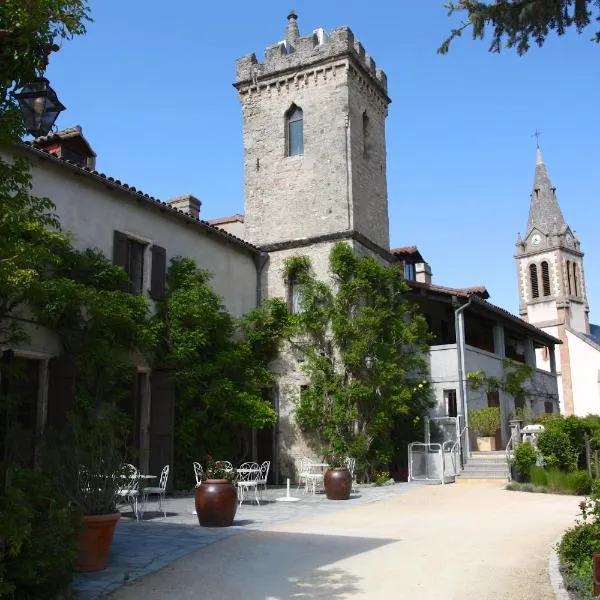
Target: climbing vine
{"x": 220, "y": 366}
{"x": 364, "y": 348}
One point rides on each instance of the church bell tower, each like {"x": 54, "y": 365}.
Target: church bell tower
{"x": 552, "y": 292}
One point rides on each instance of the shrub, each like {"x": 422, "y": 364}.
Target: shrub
{"x": 39, "y": 534}
{"x": 539, "y": 476}
{"x": 578, "y": 543}
{"x": 524, "y": 458}
{"x": 580, "y": 578}
{"x": 556, "y": 448}
{"x": 580, "y": 482}
{"x": 485, "y": 421}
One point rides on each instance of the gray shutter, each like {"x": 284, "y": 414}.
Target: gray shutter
{"x": 159, "y": 272}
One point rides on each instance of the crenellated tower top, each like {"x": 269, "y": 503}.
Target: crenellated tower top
{"x": 296, "y": 52}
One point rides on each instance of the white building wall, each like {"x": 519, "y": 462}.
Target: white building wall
{"x": 585, "y": 373}
{"x": 92, "y": 212}
{"x": 443, "y": 367}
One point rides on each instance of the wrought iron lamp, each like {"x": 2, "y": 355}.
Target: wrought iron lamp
{"x": 40, "y": 106}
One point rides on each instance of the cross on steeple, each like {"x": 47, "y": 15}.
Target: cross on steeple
{"x": 537, "y": 133}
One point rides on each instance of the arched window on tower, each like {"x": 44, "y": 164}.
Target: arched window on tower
{"x": 574, "y": 265}
{"x": 546, "y": 278}
{"x": 569, "y": 277}
{"x": 294, "y": 131}
{"x": 533, "y": 278}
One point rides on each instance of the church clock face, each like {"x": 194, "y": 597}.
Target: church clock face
{"x": 569, "y": 239}
{"x": 536, "y": 239}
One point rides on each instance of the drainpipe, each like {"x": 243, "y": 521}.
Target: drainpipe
{"x": 260, "y": 262}
{"x": 460, "y": 354}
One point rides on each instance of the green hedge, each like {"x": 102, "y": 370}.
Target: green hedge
{"x": 39, "y": 532}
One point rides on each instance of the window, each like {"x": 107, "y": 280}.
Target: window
{"x": 569, "y": 277}
{"x": 546, "y": 278}
{"x": 409, "y": 272}
{"x": 294, "y": 294}
{"x": 574, "y": 266}
{"x": 548, "y": 407}
{"x": 533, "y": 278}
{"x": 451, "y": 404}
{"x": 129, "y": 254}
{"x": 365, "y": 134}
{"x": 295, "y": 131}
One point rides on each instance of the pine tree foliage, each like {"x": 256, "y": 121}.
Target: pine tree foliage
{"x": 519, "y": 23}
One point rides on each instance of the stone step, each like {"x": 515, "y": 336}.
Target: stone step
{"x": 486, "y": 467}
{"x": 492, "y": 453}
{"x": 467, "y": 474}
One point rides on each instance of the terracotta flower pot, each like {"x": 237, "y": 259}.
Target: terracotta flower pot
{"x": 216, "y": 503}
{"x": 338, "y": 483}
{"x": 95, "y": 540}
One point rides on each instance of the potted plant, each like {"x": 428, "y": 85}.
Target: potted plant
{"x": 87, "y": 464}
{"x": 338, "y": 479}
{"x": 216, "y": 496}
{"x": 485, "y": 422}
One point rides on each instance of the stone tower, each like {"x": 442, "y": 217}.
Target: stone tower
{"x": 552, "y": 292}
{"x": 314, "y": 174}
{"x": 314, "y": 140}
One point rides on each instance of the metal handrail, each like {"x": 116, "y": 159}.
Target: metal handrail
{"x": 509, "y": 448}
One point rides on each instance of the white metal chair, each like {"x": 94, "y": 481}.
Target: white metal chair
{"x": 264, "y": 473}
{"x": 129, "y": 492}
{"x": 198, "y": 473}
{"x": 159, "y": 491}
{"x": 248, "y": 476}
{"x": 350, "y": 464}
{"x": 307, "y": 475}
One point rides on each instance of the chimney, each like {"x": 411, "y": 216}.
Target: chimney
{"x": 70, "y": 145}
{"x": 423, "y": 272}
{"x": 187, "y": 203}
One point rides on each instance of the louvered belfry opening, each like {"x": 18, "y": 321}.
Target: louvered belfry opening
{"x": 546, "y": 278}
{"x": 533, "y": 277}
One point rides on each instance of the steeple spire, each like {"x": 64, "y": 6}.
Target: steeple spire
{"x": 544, "y": 211}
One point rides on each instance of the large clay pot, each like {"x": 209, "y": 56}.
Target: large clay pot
{"x": 95, "y": 540}
{"x": 338, "y": 483}
{"x": 216, "y": 503}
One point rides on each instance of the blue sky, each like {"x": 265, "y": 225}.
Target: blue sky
{"x": 150, "y": 84}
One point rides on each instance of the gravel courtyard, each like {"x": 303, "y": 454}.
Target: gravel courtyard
{"x": 461, "y": 541}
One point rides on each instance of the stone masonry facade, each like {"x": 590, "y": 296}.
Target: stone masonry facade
{"x": 335, "y": 190}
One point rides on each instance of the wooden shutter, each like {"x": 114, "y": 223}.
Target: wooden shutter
{"x": 120, "y": 249}
{"x": 533, "y": 276}
{"x": 61, "y": 390}
{"x": 546, "y": 278}
{"x": 159, "y": 272}
{"x": 162, "y": 420}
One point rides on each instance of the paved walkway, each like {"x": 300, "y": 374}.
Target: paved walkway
{"x": 143, "y": 548}
{"x": 461, "y": 541}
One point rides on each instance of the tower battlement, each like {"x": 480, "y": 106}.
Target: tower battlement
{"x": 296, "y": 52}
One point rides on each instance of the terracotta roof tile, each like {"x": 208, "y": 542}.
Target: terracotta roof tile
{"x": 478, "y": 290}
{"x": 117, "y": 184}
{"x": 237, "y": 218}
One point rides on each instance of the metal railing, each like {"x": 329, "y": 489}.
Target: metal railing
{"x": 509, "y": 448}
{"x": 433, "y": 462}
